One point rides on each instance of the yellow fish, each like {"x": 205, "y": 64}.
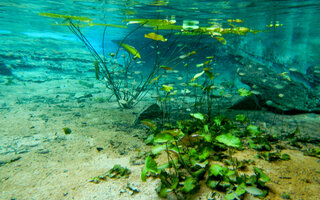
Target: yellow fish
{"x": 155, "y": 36}
{"x": 130, "y": 49}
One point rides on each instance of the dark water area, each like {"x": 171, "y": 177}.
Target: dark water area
{"x": 99, "y": 68}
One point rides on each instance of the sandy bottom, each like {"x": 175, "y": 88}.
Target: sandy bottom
{"x": 38, "y": 161}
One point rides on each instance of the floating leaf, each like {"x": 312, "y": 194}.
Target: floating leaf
{"x": 79, "y": 18}
{"x": 197, "y": 76}
{"x": 229, "y": 140}
{"x": 155, "y": 36}
{"x": 130, "y": 49}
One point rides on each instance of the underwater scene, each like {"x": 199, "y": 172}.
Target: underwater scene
{"x": 159, "y": 99}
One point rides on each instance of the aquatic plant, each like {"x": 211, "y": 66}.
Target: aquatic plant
{"x": 117, "y": 171}
{"x": 191, "y": 146}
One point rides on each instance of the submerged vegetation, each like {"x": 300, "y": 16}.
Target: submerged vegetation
{"x": 167, "y": 51}
{"x": 199, "y": 151}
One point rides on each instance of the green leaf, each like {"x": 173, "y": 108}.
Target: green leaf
{"x": 244, "y": 92}
{"x": 254, "y": 130}
{"x": 210, "y": 75}
{"x": 212, "y": 184}
{"x": 204, "y": 153}
{"x": 162, "y": 190}
{"x": 199, "y": 116}
{"x": 231, "y": 196}
{"x": 262, "y": 175}
{"x": 196, "y": 76}
{"x": 189, "y": 185}
{"x": 255, "y": 191}
{"x": 149, "y": 123}
{"x": 241, "y": 118}
{"x": 167, "y": 88}
{"x": 229, "y": 140}
{"x": 149, "y": 139}
{"x": 158, "y": 148}
{"x": 216, "y": 170}
{"x": 163, "y": 137}
{"x": 241, "y": 189}
{"x": 143, "y": 175}
{"x": 151, "y": 165}
{"x": 195, "y": 85}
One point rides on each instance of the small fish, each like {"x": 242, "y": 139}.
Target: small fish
{"x": 187, "y": 55}
{"x": 166, "y": 68}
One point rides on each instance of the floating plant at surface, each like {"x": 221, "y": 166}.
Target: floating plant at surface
{"x": 168, "y": 50}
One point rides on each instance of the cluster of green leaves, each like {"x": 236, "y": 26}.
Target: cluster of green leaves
{"x": 116, "y": 172}
{"x": 273, "y": 156}
{"x": 191, "y": 146}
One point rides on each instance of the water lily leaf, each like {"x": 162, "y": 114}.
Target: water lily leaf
{"x": 229, "y": 140}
